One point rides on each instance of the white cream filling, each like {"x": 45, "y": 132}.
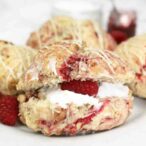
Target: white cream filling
{"x": 111, "y": 90}
{"x": 64, "y": 97}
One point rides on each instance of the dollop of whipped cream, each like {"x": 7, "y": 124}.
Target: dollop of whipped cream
{"x": 112, "y": 90}
{"x": 64, "y": 97}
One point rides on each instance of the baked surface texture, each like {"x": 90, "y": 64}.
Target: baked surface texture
{"x": 133, "y": 52}
{"x": 61, "y": 62}
{"x": 14, "y": 60}
{"x": 67, "y": 29}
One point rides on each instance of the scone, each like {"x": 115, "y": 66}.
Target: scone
{"x": 67, "y": 29}
{"x": 134, "y": 52}
{"x": 70, "y": 92}
{"x": 14, "y": 60}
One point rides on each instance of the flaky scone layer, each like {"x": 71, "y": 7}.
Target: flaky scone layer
{"x": 133, "y": 52}
{"x": 64, "y": 61}
{"x": 14, "y": 60}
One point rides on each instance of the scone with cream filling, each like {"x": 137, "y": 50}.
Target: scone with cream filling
{"x": 79, "y": 92}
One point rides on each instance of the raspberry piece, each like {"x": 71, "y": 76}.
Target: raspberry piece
{"x": 83, "y": 87}
{"x": 8, "y": 110}
{"x": 139, "y": 76}
{"x": 87, "y": 119}
{"x": 70, "y": 65}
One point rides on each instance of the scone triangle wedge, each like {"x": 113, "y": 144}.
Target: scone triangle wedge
{"x": 68, "y": 29}
{"x": 70, "y": 91}
{"x": 14, "y": 61}
{"x": 133, "y": 51}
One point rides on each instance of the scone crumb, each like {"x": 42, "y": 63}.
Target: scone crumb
{"x": 21, "y": 98}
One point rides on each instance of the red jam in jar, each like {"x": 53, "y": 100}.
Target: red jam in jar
{"x": 122, "y": 24}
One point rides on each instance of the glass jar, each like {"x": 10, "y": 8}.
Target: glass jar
{"x": 122, "y": 24}
{"x": 122, "y": 21}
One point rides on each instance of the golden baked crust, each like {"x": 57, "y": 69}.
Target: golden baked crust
{"x": 14, "y": 60}
{"x": 43, "y": 70}
{"x": 64, "y": 61}
{"x": 67, "y": 29}
{"x": 134, "y": 52}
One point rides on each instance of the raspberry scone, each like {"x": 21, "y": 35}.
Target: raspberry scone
{"x": 14, "y": 60}
{"x": 66, "y": 29}
{"x": 134, "y": 52}
{"x": 70, "y": 93}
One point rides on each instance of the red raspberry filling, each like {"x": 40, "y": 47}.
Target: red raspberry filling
{"x": 88, "y": 119}
{"x": 83, "y": 87}
{"x": 72, "y": 129}
{"x": 139, "y": 74}
{"x": 71, "y": 64}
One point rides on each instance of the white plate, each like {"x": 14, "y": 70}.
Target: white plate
{"x": 133, "y": 132}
